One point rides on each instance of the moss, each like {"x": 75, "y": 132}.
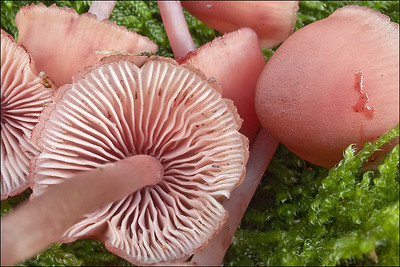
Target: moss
{"x": 342, "y": 216}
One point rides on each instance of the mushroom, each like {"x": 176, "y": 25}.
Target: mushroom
{"x": 62, "y": 42}
{"x": 170, "y": 112}
{"x": 23, "y": 96}
{"x": 273, "y": 21}
{"x": 332, "y": 83}
{"x": 35, "y": 224}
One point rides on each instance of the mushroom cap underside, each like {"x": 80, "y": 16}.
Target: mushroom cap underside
{"x": 23, "y": 96}
{"x": 167, "y": 111}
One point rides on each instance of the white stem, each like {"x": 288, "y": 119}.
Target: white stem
{"x": 102, "y": 9}
{"x": 36, "y": 224}
{"x": 175, "y": 25}
{"x": 261, "y": 153}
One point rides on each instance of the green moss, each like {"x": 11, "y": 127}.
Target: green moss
{"x": 301, "y": 214}
{"x": 79, "y": 253}
{"x": 8, "y": 204}
{"x": 318, "y": 217}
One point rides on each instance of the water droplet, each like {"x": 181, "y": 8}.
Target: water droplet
{"x": 362, "y": 105}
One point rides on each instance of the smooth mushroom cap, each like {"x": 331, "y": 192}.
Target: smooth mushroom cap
{"x": 164, "y": 110}
{"x": 332, "y": 83}
{"x": 23, "y": 96}
{"x": 273, "y": 21}
{"x": 62, "y": 42}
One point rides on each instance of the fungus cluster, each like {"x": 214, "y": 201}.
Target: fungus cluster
{"x": 175, "y": 119}
{"x": 115, "y": 110}
{"x": 286, "y": 104}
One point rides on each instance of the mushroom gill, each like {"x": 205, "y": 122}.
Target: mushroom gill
{"x": 23, "y": 96}
{"x": 62, "y": 42}
{"x": 163, "y": 110}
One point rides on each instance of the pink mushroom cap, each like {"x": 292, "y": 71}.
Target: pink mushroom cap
{"x": 273, "y": 21}
{"x": 62, "y": 42}
{"x": 332, "y": 83}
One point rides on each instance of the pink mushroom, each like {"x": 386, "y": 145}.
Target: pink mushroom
{"x": 332, "y": 83}
{"x": 114, "y": 110}
{"x": 62, "y": 42}
{"x": 273, "y": 21}
{"x": 34, "y": 225}
{"x": 23, "y": 96}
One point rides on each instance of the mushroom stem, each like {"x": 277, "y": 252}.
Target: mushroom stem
{"x": 260, "y": 155}
{"x": 62, "y": 205}
{"x": 102, "y": 9}
{"x": 175, "y": 25}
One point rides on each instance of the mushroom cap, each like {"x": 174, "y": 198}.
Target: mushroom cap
{"x": 273, "y": 21}
{"x": 62, "y": 42}
{"x": 163, "y": 110}
{"x": 332, "y": 83}
{"x": 23, "y": 97}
